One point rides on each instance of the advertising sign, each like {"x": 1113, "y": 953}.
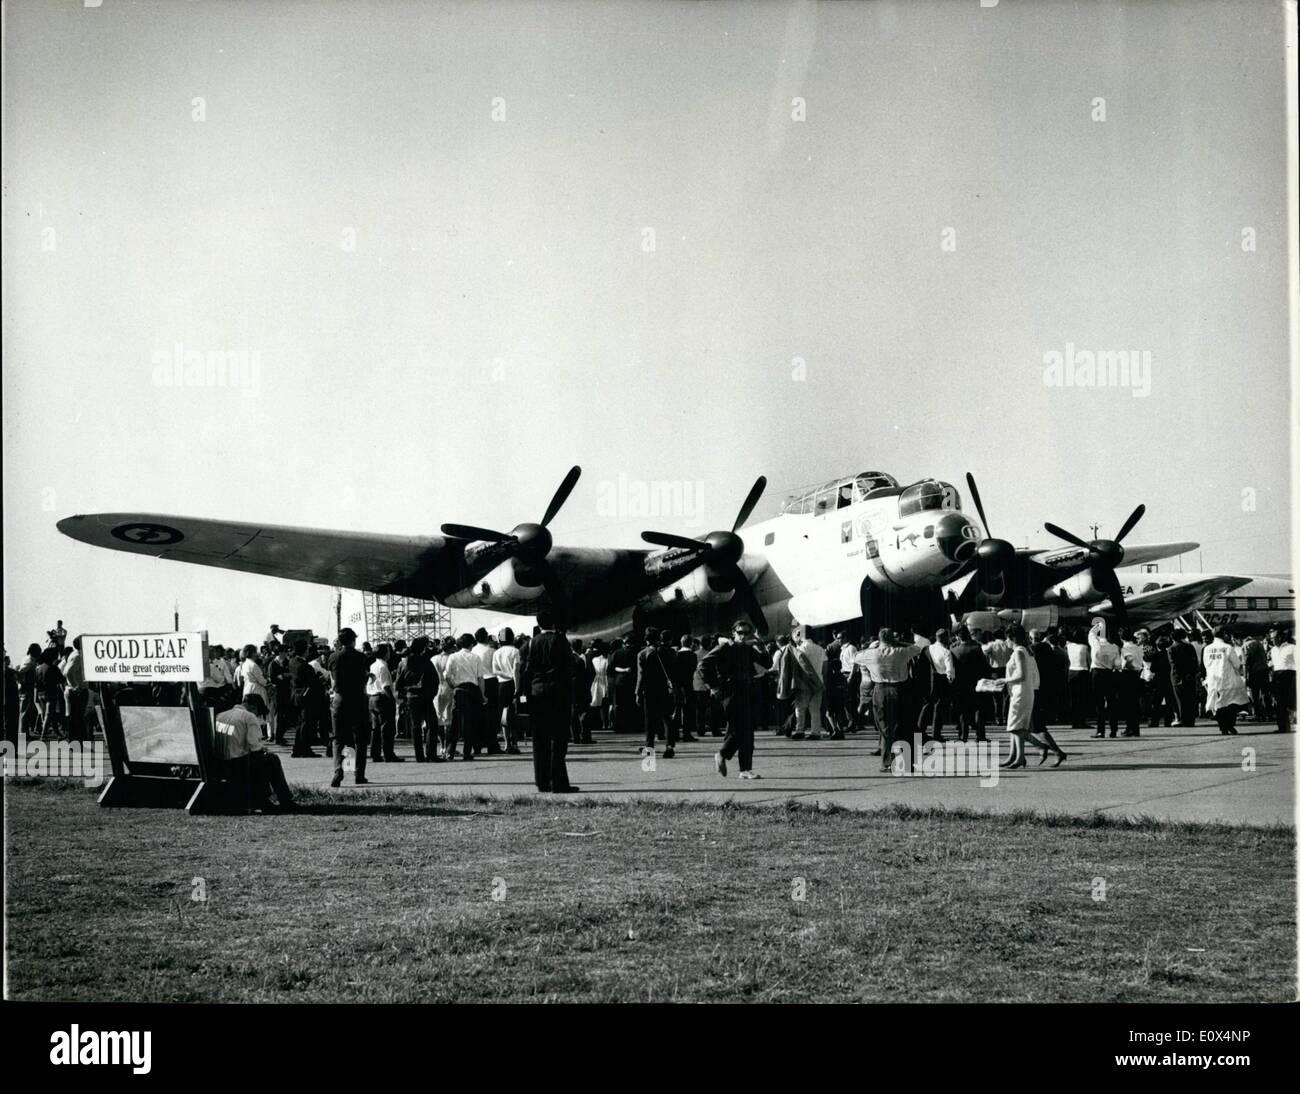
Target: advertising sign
{"x": 172, "y": 656}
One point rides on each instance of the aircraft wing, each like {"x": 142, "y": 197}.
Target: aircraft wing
{"x": 1160, "y": 605}
{"x": 1068, "y": 558}
{"x": 1154, "y": 552}
{"x": 424, "y": 567}
{"x": 352, "y": 560}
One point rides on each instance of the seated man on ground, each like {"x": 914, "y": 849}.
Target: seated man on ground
{"x": 239, "y": 734}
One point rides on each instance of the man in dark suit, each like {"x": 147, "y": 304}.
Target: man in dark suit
{"x": 1047, "y": 697}
{"x": 654, "y": 691}
{"x": 622, "y": 684}
{"x": 547, "y": 680}
{"x": 682, "y": 670}
{"x": 416, "y": 684}
{"x": 308, "y": 701}
{"x": 1185, "y": 676}
{"x": 833, "y": 705}
{"x": 583, "y": 675}
{"x": 970, "y": 666}
{"x": 731, "y": 671}
{"x": 351, "y": 720}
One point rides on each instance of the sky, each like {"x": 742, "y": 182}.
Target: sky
{"x": 461, "y": 247}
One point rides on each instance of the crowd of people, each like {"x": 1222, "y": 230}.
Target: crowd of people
{"x": 480, "y": 694}
{"x": 47, "y": 696}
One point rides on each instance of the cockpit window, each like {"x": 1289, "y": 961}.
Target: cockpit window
{"x": 841, "y": 493}
{"x": 868, "y": 481}
{"x": 920, "y": 497}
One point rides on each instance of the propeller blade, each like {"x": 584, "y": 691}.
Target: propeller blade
{"x": 953, "y": 607}
{"x": 468, "y": 531}
{"x": 562, "y": 494}
{"x": 755, "y": 492}
{"x": 1069, "y": 537}
{"x": 557, "y": 595}
{"x": 1133, "y": 518}
{"x": 979, "y": 505}
{"x": 1106, "y": 581}
{"x": 746, "y": 599}
{"x": 667, "y": 539}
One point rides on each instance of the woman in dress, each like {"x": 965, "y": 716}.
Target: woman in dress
{"x": 442, "y": 701}
{"x": 600, "y": 681}
{"x": 1225, "y": 686}
{"x": 254, "y": 683}
{"x": 1021, "y": 681}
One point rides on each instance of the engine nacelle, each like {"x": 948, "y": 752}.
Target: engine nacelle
{"x": 1030, "y": 618}
{"x": 982, "y": 621}
{"x": 500, "y": 588}
{"x": 694, "y": 588}
{"x": 1074, "y": 590}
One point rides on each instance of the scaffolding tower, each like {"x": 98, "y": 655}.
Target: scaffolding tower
{"x": 389, "y": 618}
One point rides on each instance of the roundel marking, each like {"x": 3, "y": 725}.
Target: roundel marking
{"x": 148, "y": 535}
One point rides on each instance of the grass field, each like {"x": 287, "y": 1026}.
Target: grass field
{"x": 388, "y": 897}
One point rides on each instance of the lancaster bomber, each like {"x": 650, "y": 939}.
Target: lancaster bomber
{"x": 862, "y": 547}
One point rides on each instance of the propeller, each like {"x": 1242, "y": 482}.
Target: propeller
{"x": 993, "y": 557}
{"x": 1104, "y": 555}
{"x": 530, "y": 543}
{"x": 722, "y": 552}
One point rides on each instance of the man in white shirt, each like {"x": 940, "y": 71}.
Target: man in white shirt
{"x": 847, "y": 669}
{"x": 485, "y": 651}
{"x": 1078, "y": 681}
{"x": 505, "y": 667}
{"x": 76, "y": 695}
{"x": 943, "y": 671}
{"x": 1225, "y": 686}
{"x": 998, "y": 651}
{"x": 1105, "y": 684}
{"x": 464, "y": 676}
{"x": 216, "y": 686}
{"x": 382, "y": 702}
{"x": 848, "y": 651}
{"x": 1281, "y": 663}
{"x": 319, "y": 664}
{"x": 1129, "y": 683}
{"x": 57, "y": 636}
{"x": 239, "y": 734}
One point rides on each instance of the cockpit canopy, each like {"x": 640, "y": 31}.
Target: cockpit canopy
{"x": 927, "y": 494}
{"x": 839, "y": 493}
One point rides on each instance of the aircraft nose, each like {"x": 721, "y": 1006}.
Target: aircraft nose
{"x": 957, "y": 536}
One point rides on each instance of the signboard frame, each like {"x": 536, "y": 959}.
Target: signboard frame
{"x": 198, "y": 788}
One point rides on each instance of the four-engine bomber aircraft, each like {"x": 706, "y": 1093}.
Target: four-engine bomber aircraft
{"x": 859, "y": 547}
